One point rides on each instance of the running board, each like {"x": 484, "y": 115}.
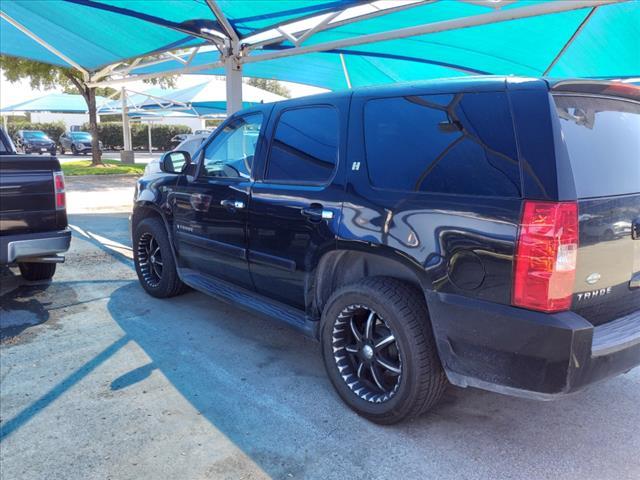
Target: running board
{"x": 248, "y": 300}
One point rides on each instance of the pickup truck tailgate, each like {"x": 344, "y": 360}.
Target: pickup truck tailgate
{"x": 27, "y": 201}
{"x": 602, "y": 137}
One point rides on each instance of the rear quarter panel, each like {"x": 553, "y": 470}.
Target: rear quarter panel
{"x": 457, "y": 243}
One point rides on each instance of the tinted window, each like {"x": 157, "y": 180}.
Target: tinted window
{"x": 230, "y": 154}
{"x": 81, "y": 135}
{"x": 462, "y": 143}
{"x": 34, "y": 134}
{"x": 305, "y": 146}
{"x": 603, "y": 141}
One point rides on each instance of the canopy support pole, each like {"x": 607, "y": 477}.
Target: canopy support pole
{"x": 149, "y": 133}
{"x": 40, "y": 41}
{"x": 126, "y": 156}
{"x": 233, "y": 71}
{"x": 535, "y": 10}
{"x": 568, "y": 44}
{"x": 346, "y": 72}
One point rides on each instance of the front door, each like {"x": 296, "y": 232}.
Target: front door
{"x": 211, "y": 211}
{"x": 296, "y": 201}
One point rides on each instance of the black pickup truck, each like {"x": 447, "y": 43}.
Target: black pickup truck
{"x": 33, "y": 216}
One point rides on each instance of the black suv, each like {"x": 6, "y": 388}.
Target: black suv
{"x": 479, "y": 231}
{"x": 34, "y": 141}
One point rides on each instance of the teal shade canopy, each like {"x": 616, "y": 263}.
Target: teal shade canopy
{"x": 207, "y": 98}
{"x": 54, "y": 102}
{"x": 602, "y": 42}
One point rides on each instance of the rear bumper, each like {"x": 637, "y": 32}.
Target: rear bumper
{"x": 13, "y": 248}
{"x": 525, "y": 353}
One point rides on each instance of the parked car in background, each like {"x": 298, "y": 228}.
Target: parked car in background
{"x": 425, "y": 233}
{"x": 76, "y": 142}
{"x": 33, "y": 217}
{"x": 34, "y": 141}
{"x": 204, "y": 131}
{"x": 177, "y": 139}
{"x": 190, "y": 144}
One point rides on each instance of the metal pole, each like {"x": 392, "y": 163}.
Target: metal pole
{"x": 38, "y": 40}
{"x": 233, "y": 71}
{"x": 149, "y": 133}
{"x": 126, "y": 156}
{"x": 535, "y": 10}
{"x": 345, "y": 71}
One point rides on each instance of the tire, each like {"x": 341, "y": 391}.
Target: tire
{"x": 37, "y": 271}
{"x": 159, "y": 278}
{"x": 413, "y": 379}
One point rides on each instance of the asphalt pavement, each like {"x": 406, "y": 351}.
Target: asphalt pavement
{"x": 100, "y": 381}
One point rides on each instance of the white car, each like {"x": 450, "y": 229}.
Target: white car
{"x": 190, "y": 144}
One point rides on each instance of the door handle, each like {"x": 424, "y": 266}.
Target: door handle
{"x": 200, "y": 202}
{"x": 315, "y": 213}
{"x": 232, "y": 205}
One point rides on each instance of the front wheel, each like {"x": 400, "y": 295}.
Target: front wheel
{"x": 379, "y": 351}
{"x": 37, "y": 271}
{"x": 154, "y": 260}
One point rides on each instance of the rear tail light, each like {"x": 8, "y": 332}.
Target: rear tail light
{"x": 58, "y": 187}
{"x": 546, "y": 252}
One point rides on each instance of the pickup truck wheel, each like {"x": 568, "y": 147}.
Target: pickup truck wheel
{"x": 379, "y": 351}
{"x": 154, "y": 261}
{"x": 37, "y": 271}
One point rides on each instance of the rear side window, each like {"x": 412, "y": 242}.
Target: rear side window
{"x": 304, "y": 148}
{"x": 458, "y": 143}
{"x": 602, "y": 137}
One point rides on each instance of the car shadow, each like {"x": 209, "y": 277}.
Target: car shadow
{"x": 264, "y": 386}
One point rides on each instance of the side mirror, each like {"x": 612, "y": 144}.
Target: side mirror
{"x": 175, "y": 161}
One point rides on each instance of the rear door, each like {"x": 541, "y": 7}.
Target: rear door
{"x": 210, "y": 211}
{"x": 601, "y": 134}
{"x": 296, "y": 203}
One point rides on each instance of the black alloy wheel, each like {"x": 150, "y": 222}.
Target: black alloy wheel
{"x": 153, "y": 259}
{"x": 366, "y": 353}
{"x": 379, "y": 351}
{"x": 150, "y": 260}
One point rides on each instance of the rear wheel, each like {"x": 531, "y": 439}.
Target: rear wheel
{"x": 154, "y": 260}
{"x": 379, "y": 351}
{"x": 37, "y": 271}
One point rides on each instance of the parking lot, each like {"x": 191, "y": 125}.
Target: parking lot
{"x": 100, "y": 380}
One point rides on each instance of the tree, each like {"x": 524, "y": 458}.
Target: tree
{"x": 44, "y": 75}
{"x": 273, "y": 86}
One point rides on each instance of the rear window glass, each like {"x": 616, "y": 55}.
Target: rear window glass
{"x": 602, "y": 137}
{"x": 457, "y": 143}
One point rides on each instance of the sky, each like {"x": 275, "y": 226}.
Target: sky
{"x": 13, "y": 93}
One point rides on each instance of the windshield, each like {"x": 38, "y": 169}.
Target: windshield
{"x": 35, "y": 134}
{"x": 81, "y": 135}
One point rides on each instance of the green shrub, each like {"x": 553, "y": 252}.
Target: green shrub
{"x": 111, "y": 135}
{"x": 52, "y": 129}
